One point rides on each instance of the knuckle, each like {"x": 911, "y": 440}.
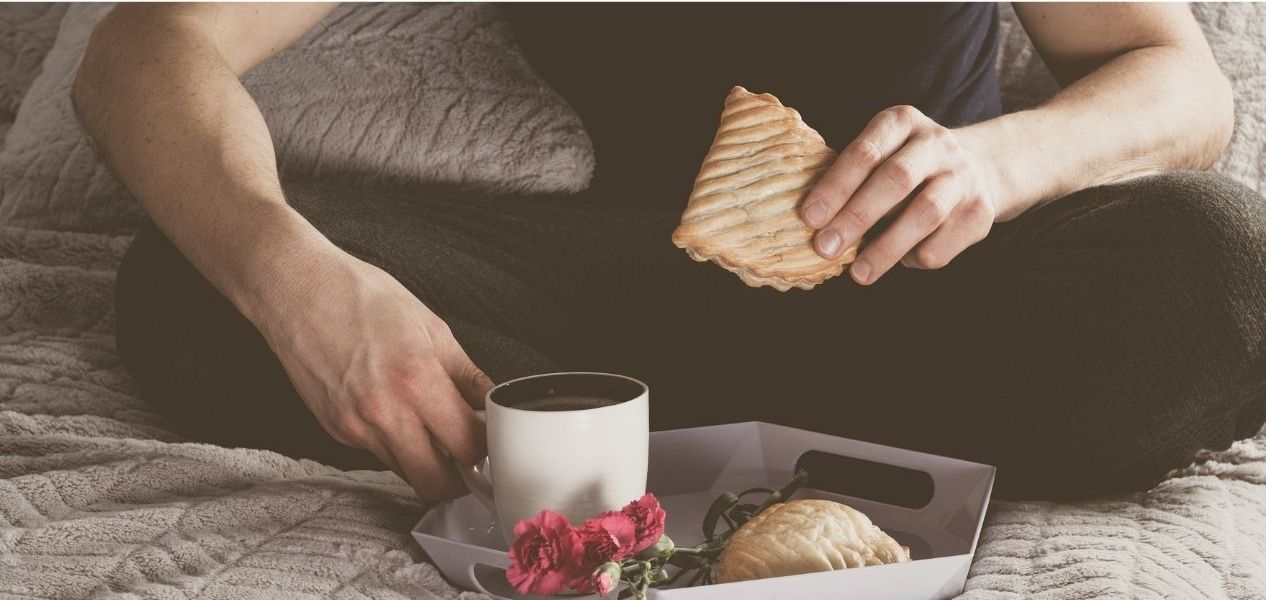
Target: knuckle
{"x": 905, "y": 114}
{"x": 982, "y": 232}
{"x": 945, "y": 138}
{"x": 851, "y": 220}
{"x": 973, "y": 208}
{"x": 977, "y": 209}
{"x": 410, "y": 376}
{"x": 929, "y": 259}
{"x": 435, "y": 325}
{"x": 865, "y": 151}
{"x": 931, "y": 209}
{"x": 343, "y": 430}
{"x": 475, "y": 375}
{"x": 374, "y": 409}
{"x": 902, "y": 173}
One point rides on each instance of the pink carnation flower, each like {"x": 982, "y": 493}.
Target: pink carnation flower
{"x": 546, "y": 556}
{"x": 609, "y": 536}
{"x": 648, "y": 521}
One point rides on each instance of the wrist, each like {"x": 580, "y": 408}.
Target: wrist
{"x": 1015, "y": 164}
{"x": 278, "y": 266}
{"x": 996, "y": 168}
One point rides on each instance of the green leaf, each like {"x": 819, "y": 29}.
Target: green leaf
{"x": 797, "y": 482}
{"x": 755, "y": 490}
{"x": 687, "y": 561}
{"x": 743, "y": 513}
{"x": 719, "y": 506}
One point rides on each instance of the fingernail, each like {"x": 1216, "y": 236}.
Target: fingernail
{"x": 828, "y": 243}
{"x": 861, "y": 271}
{"x": 815, "y": 214}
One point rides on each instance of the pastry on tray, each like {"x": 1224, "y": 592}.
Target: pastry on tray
{"x": 806, "y": 536}
{"x": 742, "y": 213}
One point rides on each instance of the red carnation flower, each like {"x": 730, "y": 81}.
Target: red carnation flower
{"x": 546, "y": 555}
{"x": 648, "y": 521}
{"x": 606, "y": 537}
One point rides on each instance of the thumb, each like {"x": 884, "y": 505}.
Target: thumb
{"x": 470, "y": 380}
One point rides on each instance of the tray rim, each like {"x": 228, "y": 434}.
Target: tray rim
{"x": 501, "y": 557}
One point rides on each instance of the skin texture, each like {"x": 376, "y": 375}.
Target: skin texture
{"x": 158, "y": 92}
{"x": 1141, "y": 95}
{"x": 159, "y": 95}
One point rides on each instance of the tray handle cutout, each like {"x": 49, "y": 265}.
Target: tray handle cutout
{"x": 491, "y": 581}
{"x": 878, "y": 482}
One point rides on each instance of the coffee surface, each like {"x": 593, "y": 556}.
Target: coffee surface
{"x": 564, "y": 402}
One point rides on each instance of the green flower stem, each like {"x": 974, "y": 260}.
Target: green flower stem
{"x": 644, "y": 572}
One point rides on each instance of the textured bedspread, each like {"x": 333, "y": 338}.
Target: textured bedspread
{"x": 100, "y": 499}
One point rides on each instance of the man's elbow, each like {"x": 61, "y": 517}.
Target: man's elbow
{"x": 1210, "y": 102}
{"x": 1222, "y": 116}
{"x": 104, "y": 47}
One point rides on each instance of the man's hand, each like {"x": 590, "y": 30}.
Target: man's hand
{"x": 901, "y": 154}
{"x": 380, "y": 371}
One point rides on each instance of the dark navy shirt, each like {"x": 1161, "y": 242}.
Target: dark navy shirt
{"x": 649, "y": 80}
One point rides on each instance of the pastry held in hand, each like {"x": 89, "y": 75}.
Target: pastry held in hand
{"x": 806, "y": 536}
{"x": 742, "y": 213}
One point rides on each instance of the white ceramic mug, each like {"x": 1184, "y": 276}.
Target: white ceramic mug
{"x": 575, "y": 462}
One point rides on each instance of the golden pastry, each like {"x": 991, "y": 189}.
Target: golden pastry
{"x": 805, "y": 536}
{"x": 742, "y": 213}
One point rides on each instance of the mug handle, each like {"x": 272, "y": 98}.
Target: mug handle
{"x": 476, "y": 479}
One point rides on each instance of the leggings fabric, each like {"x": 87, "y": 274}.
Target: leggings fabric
{"x": 1087, "y": 347}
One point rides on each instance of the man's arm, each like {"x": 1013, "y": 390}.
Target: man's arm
{"x": 1142, "y": 95}
{"x": 159, "y": 95}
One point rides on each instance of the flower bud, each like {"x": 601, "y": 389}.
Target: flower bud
{"x": 663, "y": 548}
{"x": 607, "y": 577}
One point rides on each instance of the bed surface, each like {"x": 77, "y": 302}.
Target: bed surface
{"x": 100, "y": 498}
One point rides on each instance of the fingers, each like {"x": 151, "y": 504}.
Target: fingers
{"x": 426, "y": 469}
{"x": 929, "y": 208}
{"x": 969, "y": 223}
{"x": 470, "y": 380}
{"x": 881, "y": 138}
{"x": 438, "y": 404}
{"x": 887, "y": 187}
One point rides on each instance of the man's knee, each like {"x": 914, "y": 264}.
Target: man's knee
{"x": 1215, "y": 217}
{"x": 1206, "y": 238}
{"x": 178, "y": 336}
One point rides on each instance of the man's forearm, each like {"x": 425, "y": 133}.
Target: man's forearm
{"x": 1146, "y": 111}
{"x": 167, "y": 112}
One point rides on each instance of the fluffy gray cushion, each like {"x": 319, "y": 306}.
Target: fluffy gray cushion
{"x": 388, "y": 94}
{"x": 27, "y": 31}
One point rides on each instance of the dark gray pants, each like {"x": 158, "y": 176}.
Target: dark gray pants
{"x": 1087, "y": 347}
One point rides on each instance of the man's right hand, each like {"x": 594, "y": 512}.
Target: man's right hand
{"x": 379, "y": 370}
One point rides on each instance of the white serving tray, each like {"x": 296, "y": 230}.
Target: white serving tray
{"x": 934, "y": 505}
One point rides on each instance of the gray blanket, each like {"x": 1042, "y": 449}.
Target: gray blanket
{"x": 100, "y": 499}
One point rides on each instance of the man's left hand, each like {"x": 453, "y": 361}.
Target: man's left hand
{"x": 901, "y": 154}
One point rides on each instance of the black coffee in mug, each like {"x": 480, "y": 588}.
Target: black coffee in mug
{"x": 562, "y": 392}
{"x": 564, "y": 402}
